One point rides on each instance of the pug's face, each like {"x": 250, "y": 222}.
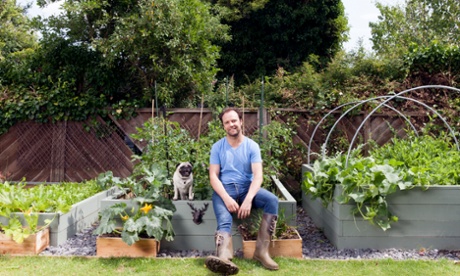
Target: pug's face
{"x": 185, "y": 169}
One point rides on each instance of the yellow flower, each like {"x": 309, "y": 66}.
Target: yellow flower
{"x": 28, "y": 212}
{"x": 124, "y": 218}
{"x": 146, "y": 208}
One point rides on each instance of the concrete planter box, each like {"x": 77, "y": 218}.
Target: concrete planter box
{"x": 192, "y": 236}
{"x": 427, "y": 219}
{"x": 64, "y": 226}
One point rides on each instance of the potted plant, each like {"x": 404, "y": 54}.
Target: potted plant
{"x": 135, "y": 230}
{"x": 286, "y": 240}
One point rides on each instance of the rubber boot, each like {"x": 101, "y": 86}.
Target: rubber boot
{"x": 221, "y": 263}
{"x": 261, "y": 254}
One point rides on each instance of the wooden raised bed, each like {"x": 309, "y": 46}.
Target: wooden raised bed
{"x": 33, "y": 245}
{"x": 107, "y": 247}
{"x": 291, "y": 248}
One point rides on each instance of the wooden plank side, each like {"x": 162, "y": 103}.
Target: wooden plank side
{"x": 115, "y": 247}
{"x": 32, "y": 245}
{"x": 291, "y": 248}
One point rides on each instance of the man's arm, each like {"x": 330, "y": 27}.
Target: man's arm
{"x": 218, "y": 187}
{"x": 245, "y": 209}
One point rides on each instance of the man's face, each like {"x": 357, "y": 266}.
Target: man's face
{"x": 232, "y": 123}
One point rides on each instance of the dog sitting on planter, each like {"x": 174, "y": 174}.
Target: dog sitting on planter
{"x": 183, "y": 181}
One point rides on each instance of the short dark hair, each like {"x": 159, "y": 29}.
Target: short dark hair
{"x": 228, "y": 109}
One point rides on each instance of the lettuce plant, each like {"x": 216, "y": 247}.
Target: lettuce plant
{"x": 17, "y": 198}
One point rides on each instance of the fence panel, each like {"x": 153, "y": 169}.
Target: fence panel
{"x": 76, "y": 151}
{"x": 63, "y": 151}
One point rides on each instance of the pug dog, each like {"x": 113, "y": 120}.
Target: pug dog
{"x": 183, "y": 181}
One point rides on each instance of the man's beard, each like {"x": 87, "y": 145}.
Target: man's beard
{"x": 236, "y": 134}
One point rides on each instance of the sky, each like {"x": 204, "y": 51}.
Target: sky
{"x": 358, "y": 12}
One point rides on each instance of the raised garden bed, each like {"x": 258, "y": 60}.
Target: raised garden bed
{"x": 291, "y": 248}
{"x": 190, "y": 235}
{"x": 427, "y": 219}
{"x": 64, "y": 226}
{"x": 107, "y": 247}
{"x": 32, "y": 245}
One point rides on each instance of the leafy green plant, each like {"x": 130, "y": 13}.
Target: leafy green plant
{"x": 250, "y": 227}
{"x": 275, "y": 144}
{"x": 368, "y": 181}
{"x": 16, "y": 230}
{"x": 147, "y": 221}
{"x": 16, "y": 198}
{"x": 167, "y": 145}
{"x": 201, "y": 158}
{"x": 151, "y": 212}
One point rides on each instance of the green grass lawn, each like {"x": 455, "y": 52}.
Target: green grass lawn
{"x": 39, "y": 265}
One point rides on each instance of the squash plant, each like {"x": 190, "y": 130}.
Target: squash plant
{"x": 16, "y": 198}
{"x": 368, "y": 181}
{"x": 151, "y": 212}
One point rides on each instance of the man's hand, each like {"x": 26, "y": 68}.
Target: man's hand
{"x": 232, "y": 205}
{"x": 245, "y": 209}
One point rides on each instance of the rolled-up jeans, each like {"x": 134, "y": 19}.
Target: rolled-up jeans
{"x": 264, "y": 200}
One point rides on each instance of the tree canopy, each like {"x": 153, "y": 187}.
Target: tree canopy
{"x": 17, "y": 39}
{"x": 283, "y": 34}
{"x": 125, "y": 53}
{"x": 417, "y": 22}
{"x": 169, "y": 42}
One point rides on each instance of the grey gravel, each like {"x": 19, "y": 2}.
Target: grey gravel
{"x": 315, "y": 246}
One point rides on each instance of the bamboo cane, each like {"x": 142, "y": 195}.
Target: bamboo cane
{"x": 153, "y": 112}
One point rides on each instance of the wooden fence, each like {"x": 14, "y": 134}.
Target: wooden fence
{"x": 77, "y": 151}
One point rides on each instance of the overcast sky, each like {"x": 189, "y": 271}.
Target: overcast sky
{"x": 358, "y": 12}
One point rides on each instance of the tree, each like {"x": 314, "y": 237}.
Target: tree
{"x": 17, "y": 39}
{"x": 237, "y": 9}
{"x": 168, "y": 42}
{"x": 416, "y": 22}
{"x": 284, "y": 33}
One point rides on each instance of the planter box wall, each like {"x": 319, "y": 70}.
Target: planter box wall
{"x": 64, "y": 226}
{"x": 291, "y": 248}
{"x": 427, "y": 219}
{"x": 190, "y": 236}
{"x": 107, "y": 247}
{"x": 33, "y": 245}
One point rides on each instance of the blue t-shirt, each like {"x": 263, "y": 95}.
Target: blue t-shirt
{"x": 235, "y": 164}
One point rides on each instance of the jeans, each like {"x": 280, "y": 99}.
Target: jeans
{"x": 264, "y": 200}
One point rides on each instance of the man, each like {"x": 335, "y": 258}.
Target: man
{"x": 235, "y": 174}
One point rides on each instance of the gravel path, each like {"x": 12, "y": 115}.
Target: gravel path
{"x": 315, "y": 246}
